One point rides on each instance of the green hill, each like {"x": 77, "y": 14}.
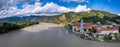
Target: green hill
{"x": 93, "y": 16}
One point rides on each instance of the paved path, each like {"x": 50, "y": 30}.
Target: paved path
{"x": 47, "y": 35}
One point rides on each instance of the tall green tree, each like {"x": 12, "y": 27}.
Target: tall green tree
{"x": 93, "y": 30}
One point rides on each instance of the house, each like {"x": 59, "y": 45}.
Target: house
{"x": 86, "y": 26}
{"x": 95, "y": 30}
{"x": 108, "y": 30}
{"x": 75, "y": 26}
{"x": 101, "y": 29}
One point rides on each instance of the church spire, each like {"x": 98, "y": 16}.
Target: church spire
{"x": 81, "y": 26}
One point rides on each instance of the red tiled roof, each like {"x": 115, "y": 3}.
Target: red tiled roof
{"x": 99, "y": 26}
{"x": 108, "y": 29}
{"x": 76, "y": 24}
{"x": 86, "y": 25}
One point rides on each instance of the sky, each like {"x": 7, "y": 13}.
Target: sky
{"x": 54, "y": 7}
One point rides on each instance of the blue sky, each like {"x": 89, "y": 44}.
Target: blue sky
{"x": 49, "y": 7}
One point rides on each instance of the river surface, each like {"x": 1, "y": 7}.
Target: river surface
{"x": 47, "y": 35}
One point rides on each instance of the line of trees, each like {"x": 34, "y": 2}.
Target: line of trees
{"x": 7, "y": 27}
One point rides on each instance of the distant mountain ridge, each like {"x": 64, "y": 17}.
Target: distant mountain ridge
{"x": 17, "y": 19}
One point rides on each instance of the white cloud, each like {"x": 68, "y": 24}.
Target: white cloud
{"x": 118, "y": 14}
{"x": 50, "y": 8}
{"x": 4, "y": 4}
{"x": 38, "y": 9}
{"x": 9, "y": 12}
{"x": 79, "y": 1}
{"x": 28, "y": 9}
{"x": 81, "y": 8}
{"x": 8, "y": 8}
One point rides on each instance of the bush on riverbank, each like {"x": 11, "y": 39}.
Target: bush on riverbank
{"x": 69, "y": 26}
{"x": 106, "y": 38}
{"x": 117, "y": 37}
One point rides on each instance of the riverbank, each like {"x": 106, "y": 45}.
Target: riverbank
{"x": 6, "y": 27}
{"x": 90, "y": 37}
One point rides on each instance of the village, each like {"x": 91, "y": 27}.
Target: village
{"x": 97, "y": 32}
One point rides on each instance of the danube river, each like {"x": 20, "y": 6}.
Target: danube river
{"x": 47, "y": 35}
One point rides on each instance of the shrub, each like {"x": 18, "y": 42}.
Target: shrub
{"x": 117, "y": 36}
{"x": 82, "y": 36}
{"x": 93, "y": 30}
{"x": 106, "y": 38}
{"x": 70, "y": 26}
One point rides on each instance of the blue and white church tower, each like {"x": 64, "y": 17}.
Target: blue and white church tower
{"x": 81, "y": 27}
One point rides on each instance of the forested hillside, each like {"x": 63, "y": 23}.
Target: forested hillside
{"x": 93, "y": 16}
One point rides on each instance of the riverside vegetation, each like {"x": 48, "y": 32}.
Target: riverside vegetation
{"x": 10, "y": 26}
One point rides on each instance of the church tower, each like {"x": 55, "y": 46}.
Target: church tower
{"x": 81, "y": 27}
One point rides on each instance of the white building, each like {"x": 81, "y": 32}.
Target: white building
{"x": 108, "y": 30}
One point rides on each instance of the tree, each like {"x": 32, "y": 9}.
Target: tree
{"x": 7, "y": 27}
{"x": 117, "y": 36}
{"x": 109, "y": 35}
{"x": 70, "y": 26}
{"x": 93, "y": 30}
{"x": 106, "y": 37}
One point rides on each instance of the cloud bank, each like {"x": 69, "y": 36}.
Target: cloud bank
{"x": 79, "y": 1}
{"x": 37, "y": 9}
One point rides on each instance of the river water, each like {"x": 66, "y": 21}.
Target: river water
{"x": 47, "y": 35}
